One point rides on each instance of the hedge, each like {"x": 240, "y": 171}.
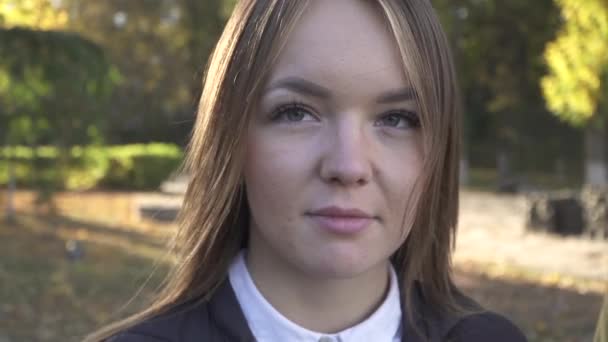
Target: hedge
{"x": 126, "y": 167}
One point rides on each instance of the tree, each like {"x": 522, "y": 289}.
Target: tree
{"x": 53, "y": 87}
{"x": 576, "y": 88}
{"x": 161, "y": 48}
{"x": 40, "y": 14}
{"x": 28, "y": 13}
{"x": 498, "y": 48}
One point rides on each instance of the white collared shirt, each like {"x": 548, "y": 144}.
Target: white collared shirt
{"x": 269, "y": 325}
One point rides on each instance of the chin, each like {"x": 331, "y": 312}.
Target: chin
{"x": 341, "y": 262}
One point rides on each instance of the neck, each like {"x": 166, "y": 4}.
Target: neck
{"x": 318, "y": 303}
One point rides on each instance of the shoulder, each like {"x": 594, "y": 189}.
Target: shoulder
{"x": 479, "y": 326}
{"x": 135, "y": 337}
{"x": 218, "y": 319}
{"x": 183, "y": 324}
{"x": 485, "y": 326}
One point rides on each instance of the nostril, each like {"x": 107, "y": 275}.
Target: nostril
{"x": 345, "y": 161}
{"x": 348, "y": 178}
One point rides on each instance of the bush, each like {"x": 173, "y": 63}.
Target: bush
{"x": 127, "y": 167}
{"x": 141, "y": 166}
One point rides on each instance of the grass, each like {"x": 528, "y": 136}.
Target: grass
{"x": 546, "y": 310}
{"x": 46, "y": 297}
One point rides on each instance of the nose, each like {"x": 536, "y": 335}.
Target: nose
{"x": 345, "y": 159}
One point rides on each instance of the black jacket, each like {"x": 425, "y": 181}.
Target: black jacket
{"x": 221, "y": 320}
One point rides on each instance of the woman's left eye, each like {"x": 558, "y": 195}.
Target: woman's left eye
{"x": 399, "y": 119}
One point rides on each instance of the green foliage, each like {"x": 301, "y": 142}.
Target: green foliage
{"x": 578, "y": 60}
{"x": 37, "y": 14}
{"x": 161, "y": 48}
{"x": 53, "y": 91}
{"x": 498, "y": 48}
{"x": 498, "y": 45}
{"x": 53, "y": 87}
{"x": 140, "y": 166}
{"x": 132, "y": 167}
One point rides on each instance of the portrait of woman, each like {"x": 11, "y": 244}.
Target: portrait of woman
{"x": 323, "y": 198}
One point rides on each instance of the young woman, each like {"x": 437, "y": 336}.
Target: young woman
{"x": 324, "y": 193}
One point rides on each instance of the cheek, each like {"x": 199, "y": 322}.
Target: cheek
{"x": 275, "y": 173}
{"x": 401, "y": 162}
{"x": 401, "y": 175}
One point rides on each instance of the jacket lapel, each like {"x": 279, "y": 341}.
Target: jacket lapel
{"x": 433, "y": 324}
{"x": 225, "y": 310}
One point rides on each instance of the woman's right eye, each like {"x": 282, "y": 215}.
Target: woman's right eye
{"x": 292, "y": 113}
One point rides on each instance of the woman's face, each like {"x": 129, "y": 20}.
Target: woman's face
{"x": 334, "y": 147}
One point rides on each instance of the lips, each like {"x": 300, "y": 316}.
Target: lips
{"x": 341, "y": 212}
{"x": 341, "y": 220}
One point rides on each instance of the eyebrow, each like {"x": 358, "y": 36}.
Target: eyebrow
{"x": 305, "y": 87}
{"x": 400, "y": 95}
{"x": 302, "y": 86}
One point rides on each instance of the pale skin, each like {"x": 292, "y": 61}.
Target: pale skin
{"x": 336, "y": 126}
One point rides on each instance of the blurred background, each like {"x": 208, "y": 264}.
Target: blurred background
{"x": 97, "y": 100}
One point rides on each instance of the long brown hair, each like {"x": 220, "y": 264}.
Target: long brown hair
{"x": 213, "y": 218}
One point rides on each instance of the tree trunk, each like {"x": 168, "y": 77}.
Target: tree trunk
{"x": 10, "y": 208}
{"x": 464, "y": 170}
{"x": 595, "y": 156}
{"x": 503, "y": 167}
{"x": 10, "y": 193}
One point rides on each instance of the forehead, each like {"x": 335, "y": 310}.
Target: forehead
{"x": 342, "y": 44}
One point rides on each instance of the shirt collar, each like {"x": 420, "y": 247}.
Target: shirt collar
{"x": 267, "y": 324}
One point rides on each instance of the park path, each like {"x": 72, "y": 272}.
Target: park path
{"x": 492, "y": 230}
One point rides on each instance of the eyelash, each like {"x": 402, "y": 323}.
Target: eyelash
{"x": 410, "y": 117}
{"x": 278, "y": 114}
